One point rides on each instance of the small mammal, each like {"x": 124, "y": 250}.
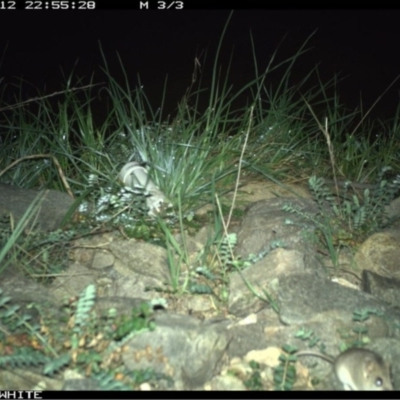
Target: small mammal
{"x": 358, "y": 369}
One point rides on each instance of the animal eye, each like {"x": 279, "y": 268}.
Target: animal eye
{"x": 378, "y": 381}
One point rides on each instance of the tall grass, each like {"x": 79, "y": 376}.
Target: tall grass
{"x": 28, "y": 219}
{"x": 194, "y": 153}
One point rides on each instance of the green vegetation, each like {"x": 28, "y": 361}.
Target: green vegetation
{"x": 88, "y": 342}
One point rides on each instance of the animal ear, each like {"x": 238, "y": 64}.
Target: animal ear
{"x": 369, "y": 366}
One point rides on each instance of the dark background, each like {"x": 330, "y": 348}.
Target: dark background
{"x": 42, "y": 46}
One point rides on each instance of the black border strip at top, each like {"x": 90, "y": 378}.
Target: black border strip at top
{"x": 172, "y": 5}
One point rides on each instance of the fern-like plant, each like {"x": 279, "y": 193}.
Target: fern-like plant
{"x": 348, "y": 219}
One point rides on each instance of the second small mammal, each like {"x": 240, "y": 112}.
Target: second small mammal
{"x": 358, "y": 369}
